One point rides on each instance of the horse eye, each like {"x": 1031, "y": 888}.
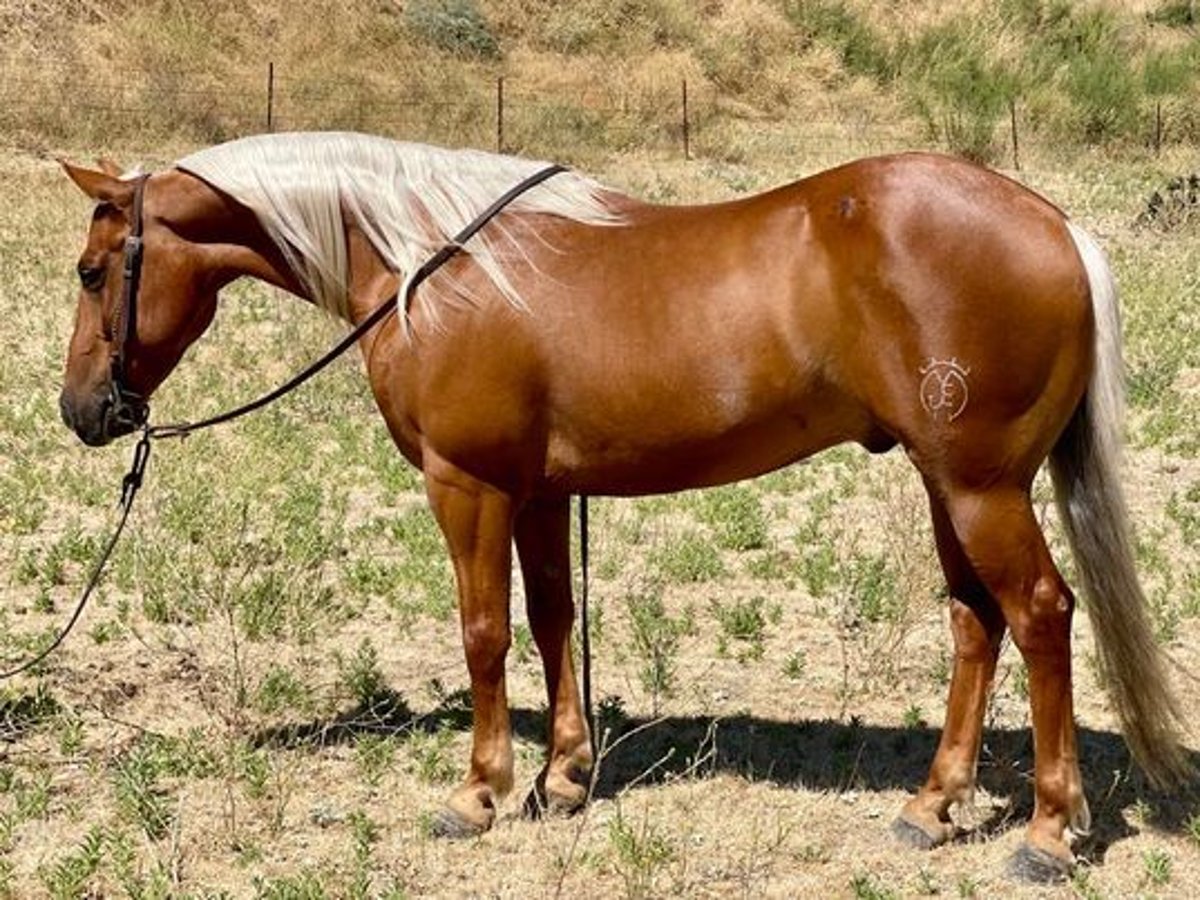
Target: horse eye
{"x": 91, "y": 277}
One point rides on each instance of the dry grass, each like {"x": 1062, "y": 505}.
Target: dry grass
{"x": 266, "y": 699}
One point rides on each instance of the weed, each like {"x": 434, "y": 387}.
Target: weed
{"x": 70, "y": 735}
{"x": 865, "y": 887}
{"x": 741, "y": 621}
{"x": 913, "y": 717}
{"x": 735, "y": 514}
{"x": 656, "y": 641}
{"x": 365, "y": 834}
{"x": 140, "y": 796}
{"x": 793, "y": 666}
{"x": 69, "y": 876}
{"x": 1081, "y": 884}
{"x": 1193, "y": 828}
{"x": 360, "y": 676}
{"x": 254, "y": 766}
{"x": 281, "y": 689}
{"x": 641, "y": 852}
{"x": 691, "y": 559}
{"x": 305, "y": 885}
{"x": 522, "y": 642}
{"x": 927, "y": 883}
{"x": 374, "y": 754}
{"x": 429, "y": 756}
{"x": 1157, "y": 865}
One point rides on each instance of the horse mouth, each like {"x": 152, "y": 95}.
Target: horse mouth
{"x": 110, "y": 422}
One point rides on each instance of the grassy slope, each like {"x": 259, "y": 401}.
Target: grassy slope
{"x": 265, "y": 699}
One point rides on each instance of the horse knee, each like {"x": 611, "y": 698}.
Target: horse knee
{"x": 1043, "y": 620}
{"x": 486, "y": 644}
{"x": 977, "y": 631}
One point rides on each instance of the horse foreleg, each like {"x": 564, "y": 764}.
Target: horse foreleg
{"x": 1007, "y": 550}
{"x": 476, "y": 520}
{"x": 978, "y": 627}
{"x": 543, "y": 545}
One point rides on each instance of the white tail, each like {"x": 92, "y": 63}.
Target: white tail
{"x": 1085, "y": 466}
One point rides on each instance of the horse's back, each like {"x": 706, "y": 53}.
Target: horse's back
{"x": 913, "y": 299}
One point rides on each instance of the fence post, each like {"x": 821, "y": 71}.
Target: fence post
{"x": 1016, "y": 147}
{"x": 270, "y": 96}
{"x": 687, "y": 150}
{"x": 1158, "y": 128}
{"x": 500, "y": 114}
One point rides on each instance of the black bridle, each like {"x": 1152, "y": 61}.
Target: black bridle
{"x": 127, "y": 407}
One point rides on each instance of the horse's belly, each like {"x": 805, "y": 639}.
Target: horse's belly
{"x": 656, "y": 458}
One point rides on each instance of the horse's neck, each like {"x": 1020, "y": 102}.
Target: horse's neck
{"x": 231, "y": 241}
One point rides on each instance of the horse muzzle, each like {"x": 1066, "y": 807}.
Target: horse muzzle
{"x": 104, "y": 415}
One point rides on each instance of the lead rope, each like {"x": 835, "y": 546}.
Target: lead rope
{"x": 585, "y": 635}
{"x": 132, "y": 481}
{"x": 130, "y": 485}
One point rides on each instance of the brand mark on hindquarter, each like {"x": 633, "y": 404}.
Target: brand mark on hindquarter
{"x": 944, "y": 391}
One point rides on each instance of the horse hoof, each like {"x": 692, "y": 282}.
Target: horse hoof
{"x": 446, "y": 823}
{"x": 568, "y": 800}
{"x": 915, "y": 836}
{"x": 1035, "y": 866}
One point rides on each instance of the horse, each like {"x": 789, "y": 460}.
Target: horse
{"x": 590, "y": 343}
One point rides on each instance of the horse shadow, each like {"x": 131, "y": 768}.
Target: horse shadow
{"x": 818, "y": 755}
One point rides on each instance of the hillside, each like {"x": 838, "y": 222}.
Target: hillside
{"x": 593, "y": 77}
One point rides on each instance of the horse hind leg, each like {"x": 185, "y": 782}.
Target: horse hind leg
{"x": 543, "y": 546}
{"x": 1006, "y": 549}
{"x": 977, "y": 626}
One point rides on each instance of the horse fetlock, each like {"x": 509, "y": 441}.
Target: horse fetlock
{"x": 1080, "y": 819}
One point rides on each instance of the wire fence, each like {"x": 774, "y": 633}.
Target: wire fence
{"x": 675, "y": 117}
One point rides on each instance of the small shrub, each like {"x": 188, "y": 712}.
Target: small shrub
{"x": 735, "y": 514}
{"x": 741, "y": 621}
{"x": 656, "y": 640}
{"x": 1176, "y": 14}
{"x": 691, "y": 559}
{"x": 640, "y": 853}
{"x": 794, "y": 665}
{"x": 457, "y": 26}
{"x": 1105, "y": 93}
{"x": 1157, "y": 864}
{"x": 832, "y": 23}
{"x": 958, "y": 91}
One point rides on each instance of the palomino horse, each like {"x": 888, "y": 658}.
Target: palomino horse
{"x": 589, "y": 343}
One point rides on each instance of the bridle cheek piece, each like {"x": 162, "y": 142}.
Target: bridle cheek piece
{"x": 127, "y": 407}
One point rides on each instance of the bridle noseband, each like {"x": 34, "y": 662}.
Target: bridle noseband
{"x": 126, "y": 406}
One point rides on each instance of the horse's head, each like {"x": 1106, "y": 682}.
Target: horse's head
{"x": 135, "y": 318}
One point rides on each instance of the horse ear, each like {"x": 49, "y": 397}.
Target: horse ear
{"x": 100, "y": 186}
{"x": 108, "y": 167}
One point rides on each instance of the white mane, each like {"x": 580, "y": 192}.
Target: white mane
{"x": 409, "y": 200}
